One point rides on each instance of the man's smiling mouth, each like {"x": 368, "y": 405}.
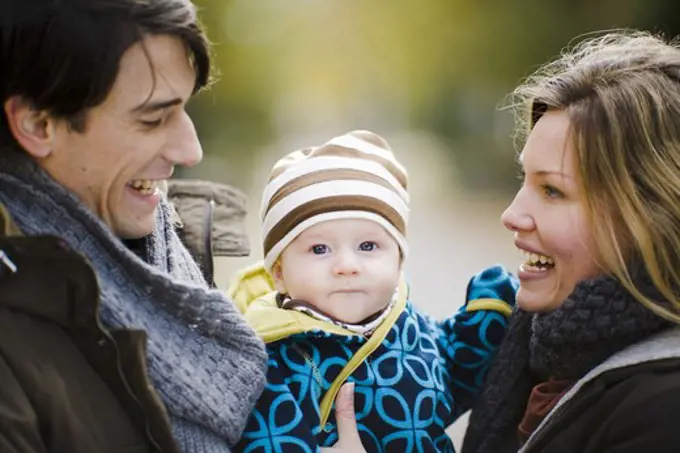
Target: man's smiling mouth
{"x": 145, "y": 186}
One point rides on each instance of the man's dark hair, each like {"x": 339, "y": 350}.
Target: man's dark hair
{"x": 63, "y": 55}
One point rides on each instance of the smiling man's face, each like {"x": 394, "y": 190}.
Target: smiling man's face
{"x": 133, "y": 140}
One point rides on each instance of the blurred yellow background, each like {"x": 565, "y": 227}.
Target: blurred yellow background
{"x": 428, "y": 75}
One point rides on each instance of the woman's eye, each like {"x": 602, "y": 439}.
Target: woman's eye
{"x": 551, "y": 192}
{"x": 319, "y": 249}
{"x": 368, "y": 246}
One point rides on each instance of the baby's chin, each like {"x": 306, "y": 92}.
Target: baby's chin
{"x": 356, "y": 317}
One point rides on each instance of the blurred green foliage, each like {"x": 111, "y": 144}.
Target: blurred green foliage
{"x": 315, "y": 68}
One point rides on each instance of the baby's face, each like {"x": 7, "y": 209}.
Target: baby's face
{"x": 348, "y": 268}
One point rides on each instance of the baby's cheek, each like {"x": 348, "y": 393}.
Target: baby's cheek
{"x": 312, "y": 288}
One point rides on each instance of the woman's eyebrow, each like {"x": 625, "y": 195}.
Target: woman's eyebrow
{"x": 551, "y": 172}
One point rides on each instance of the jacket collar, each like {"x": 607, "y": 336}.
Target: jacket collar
{"x": 43, "y": 277}
{"x": 661, "y": 346}
{"x": 273, "y": 323}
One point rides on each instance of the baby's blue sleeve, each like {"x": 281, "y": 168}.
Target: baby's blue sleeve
{"x": 470, "y": 339}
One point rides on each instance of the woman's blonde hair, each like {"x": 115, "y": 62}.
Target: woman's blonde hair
{"x": 621, "y": 92}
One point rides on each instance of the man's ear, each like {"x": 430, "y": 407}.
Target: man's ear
{"x": 277, "y": 273}
{"x": 32, "y": 129}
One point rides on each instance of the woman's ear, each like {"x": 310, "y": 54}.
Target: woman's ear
{"x": 33, "y": 129}
{"x": 277, "y": 273}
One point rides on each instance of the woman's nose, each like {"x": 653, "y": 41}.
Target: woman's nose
{"x": 516, "y": 217}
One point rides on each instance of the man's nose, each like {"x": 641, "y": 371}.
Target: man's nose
{"x": 183, "y": 147}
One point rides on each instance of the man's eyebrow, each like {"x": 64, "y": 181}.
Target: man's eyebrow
{"x": 149, "y": 107}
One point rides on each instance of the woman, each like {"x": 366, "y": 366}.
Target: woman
{"x": 591, "y": 361}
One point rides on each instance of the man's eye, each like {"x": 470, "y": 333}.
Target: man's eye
{"x": 152, "y": 124}
{"x": 319, "y": 249}
{"x": 552, "y": 192}
{"x": 368, "y": 246}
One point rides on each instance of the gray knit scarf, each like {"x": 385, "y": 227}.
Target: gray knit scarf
{"x": 207, "y": 365}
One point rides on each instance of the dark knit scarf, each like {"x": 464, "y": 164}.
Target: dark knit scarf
{"x": 597, "y": 320}
{"x": 207, "y": 365}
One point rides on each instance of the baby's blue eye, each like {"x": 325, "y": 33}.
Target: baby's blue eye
{"x": 368, "y": 246}
{"x": 319, "y": 249}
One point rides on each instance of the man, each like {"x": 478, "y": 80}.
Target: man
{"x": 93, "y": 122}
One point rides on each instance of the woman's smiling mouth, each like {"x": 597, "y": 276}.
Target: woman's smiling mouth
{"x": 535, "y": 262}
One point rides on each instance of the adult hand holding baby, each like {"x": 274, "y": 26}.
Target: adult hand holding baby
{"x": 348, "y": 433}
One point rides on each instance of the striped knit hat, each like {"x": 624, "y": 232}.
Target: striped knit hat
{"x": 352, "y": 176}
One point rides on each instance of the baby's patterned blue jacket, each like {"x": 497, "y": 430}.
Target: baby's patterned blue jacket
{"x": 414, "y": 376}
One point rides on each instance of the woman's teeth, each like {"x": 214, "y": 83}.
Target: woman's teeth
{"x": 145, "y": 186}
{"x": 536, "y": 260}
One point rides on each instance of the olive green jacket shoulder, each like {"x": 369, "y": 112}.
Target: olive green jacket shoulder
{"x": 66, "y": 383}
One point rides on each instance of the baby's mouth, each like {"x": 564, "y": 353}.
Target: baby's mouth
{"x": 537, "y": 262}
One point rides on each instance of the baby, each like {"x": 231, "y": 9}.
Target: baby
{"x": 332, "y": 305}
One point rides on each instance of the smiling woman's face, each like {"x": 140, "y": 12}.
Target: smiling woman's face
{"x": 133, "y": 140}
{"x": 549, "y": 219}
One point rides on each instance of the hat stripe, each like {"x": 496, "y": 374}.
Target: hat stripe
{"x": 289, "y": 161}
{"x": 368, "y": 151}
{"x": 333, "y": 189}
{"x": 332, "y": 204}
{"x": 328, "y": 174}
{"x": 329, "y": 162}
{"x": 389, "y": 164}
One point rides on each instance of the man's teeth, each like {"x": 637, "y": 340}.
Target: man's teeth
{"x": 534, "y": 258}
{"x": 145, "y": 185}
